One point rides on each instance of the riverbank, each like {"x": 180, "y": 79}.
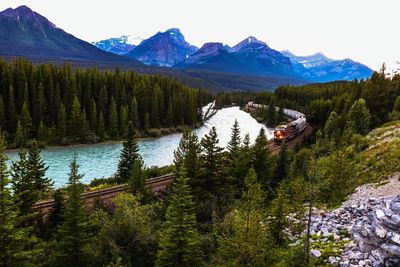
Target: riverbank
{"x": 152, "y": 133}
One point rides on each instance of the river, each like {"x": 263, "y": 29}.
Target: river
{"x": 101, "y": 160}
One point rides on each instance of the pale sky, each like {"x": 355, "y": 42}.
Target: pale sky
{"x": 363, "y": 30}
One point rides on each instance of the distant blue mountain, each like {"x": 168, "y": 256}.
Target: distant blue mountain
{"x": 164, "y": 49}
{"x": 120, "y": 46}
{"x": 320, "y": 68}
{"x": 250, "y": 56}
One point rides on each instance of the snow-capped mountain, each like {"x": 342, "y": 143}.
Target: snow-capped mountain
{"x": 163, "y": 49}
{"x": 320, "y": 68}
{"x": 251, "y": 56}
{"x": 120, "y": 45}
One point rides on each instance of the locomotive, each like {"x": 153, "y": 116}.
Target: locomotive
{"x": 292, "y": 129}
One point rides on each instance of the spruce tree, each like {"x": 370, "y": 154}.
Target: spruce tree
{"x": 93, "y": 116}
{"x": 245, "y": 243}
{"x": 282, "y": 165}
{"x": 26, "y": 120}
{"x": 42, "y": 131}
{"x": 129, "y": 154}
{"x": 261, "y": 160}
{"x": 76, "y": 118}
{"x": 11, "y": 236}
{"x": 123, "y": 120}
{"x": 61, "y": 120}
{"x": 137, "y": 180}
{"x": 113, "y": 120}
{"x": 37, "y": 172}
{"x": 23, "y": 189}
{"x": 332, "y": 130}
{"x": 11, "y": 111}
{"x": 146, "y": 125}
{"x": 187, "y": 154}
{"x": 73, "y": 237}
{"x": 101, "y": 129}
{"x": 271, "y": 113}
{"x": 20, "y": 136}
{"x": 234, "y": 143}
{"x": 134, "y": 113}
{"x": 179, "y": 240}
{"x": 359, "y": 117}
{"x": 212, "y": 163}
{"x": 278, "y": 215}
{"x": 2, "y": 114}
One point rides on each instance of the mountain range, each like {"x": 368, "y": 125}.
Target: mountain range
{"x": 251, "y": 56}
{"x": 248, "y": 65}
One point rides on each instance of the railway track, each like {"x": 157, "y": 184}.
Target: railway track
{"x": 157, "y": 185}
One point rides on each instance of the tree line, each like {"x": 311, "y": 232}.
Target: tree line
{"x": 239, "y": 206}
{"x": 59, "y": 104}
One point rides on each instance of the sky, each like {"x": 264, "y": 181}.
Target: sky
{"x": 363, "y": 30}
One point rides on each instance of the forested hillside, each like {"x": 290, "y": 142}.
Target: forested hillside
{"x": 243, "y": 206}
{"x": 63, "y": 105}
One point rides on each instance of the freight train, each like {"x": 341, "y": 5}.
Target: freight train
{"x": 293, "y": 128}
{"x": 287, "y": 131}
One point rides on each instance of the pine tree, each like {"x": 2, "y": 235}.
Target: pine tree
{"x": 37, "y": 172}
{"x": 146, "y": 125}
{"x": 42, "y": 132}
{"x": 179, "y": 240}
{"x": 282, "y": 165}
{"x": 73, "y": 238}
{"x": 93, "y": 116}
{"x": 271, "y": 113}
{"x": 20, "y": 136}
{"x": 212, "y": 163}
{"x": 332, "y": 130}
{"x": 170, "y": 115}
{"x": 113, "y": 120}
{"x": 61, "y": 120}
{"x": 11, "y": 236}
{"x": 134, "y": 114}
{"x": 234, "y": 143}
{"x": 11, "y": 111}
{"x": 26, "y": 120}
{"x": 55, "y": 215}
{"x": 187, "y": 154}
{"x": 137, "y": 180}
{"x": 123, "y": 120}
{"x": 155, "y": 122}
{"x": 101, "y": 129}
{"x": 246, "y": 243}
{"x": 261, "y": 160}
{"x": 129, "y": 155}
{"x": 359, "y": 117}
{"x": 76, "y": 118}
{"x": 2, "y": 114}
{"x": 22, "y": 186}
{"x": 279, "y": 222}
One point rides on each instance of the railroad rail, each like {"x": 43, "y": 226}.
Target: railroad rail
{"x": 157, "y": 185}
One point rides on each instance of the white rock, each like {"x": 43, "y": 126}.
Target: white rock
{"x": 315, "y": 253}
{"x": 379, "y": 213}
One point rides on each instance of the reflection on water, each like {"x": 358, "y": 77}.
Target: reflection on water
{"x": 100, "y": 160}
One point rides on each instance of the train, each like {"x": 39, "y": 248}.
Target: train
{"x": 293, "y": 128}
{"x": 290, "y": 130}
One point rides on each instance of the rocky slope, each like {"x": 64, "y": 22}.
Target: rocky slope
{"x": 364, "y": 231}
{"x": 164, "y": 49}
{"x": 320, "y": 68}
